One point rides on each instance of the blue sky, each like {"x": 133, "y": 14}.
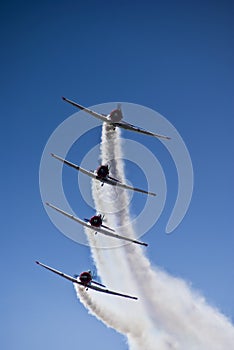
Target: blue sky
{"x": 173, "y": 57}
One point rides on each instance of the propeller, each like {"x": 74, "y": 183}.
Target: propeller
{"x": 101, "y": 215}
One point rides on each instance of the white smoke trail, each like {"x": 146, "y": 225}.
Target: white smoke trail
{"x": 172, "y": 316}
{"x": 126, "y": 316}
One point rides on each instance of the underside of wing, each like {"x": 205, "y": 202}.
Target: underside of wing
{"x": 84, "y": 171}
{"x": 73, "y": 217}
{"x": 131, "y": 127}
{"x": 70, "y": 278}
{"x": 115, "y": 235}
{"x": 82, "y": 108}
{"x": 107, "y": 291}
{"x": 69, "y": 215}
{"x": 108, "y": 228}
{"x": 120, "y": 184}
{"x": 98, "y": 283}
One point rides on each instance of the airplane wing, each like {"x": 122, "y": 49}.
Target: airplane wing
{"x": 112, "y": 178}
{"x": 69, "y": 278}
{"x": 84, "y": 171}
{"x": 107, "y": 291}
{"x": 108, "y": 228}
{"x": 98, "y": 283}
{"x": 115, "y": 235}
{"x": 96, "y": 229}
{"x": 82, "y": 108}
{"x": 112, "y": 181}
{"x": 75, "y": 218}
{"x": 127, "y": 126}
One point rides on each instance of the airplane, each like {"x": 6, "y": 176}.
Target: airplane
{"x": 85, "y": 279}
{"x": 114, "y": 118}
{"x": 102, "y": 175}
{"x": 95, "y": 223}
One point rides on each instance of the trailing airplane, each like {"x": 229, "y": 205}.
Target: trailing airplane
{"x": 102, "y": 175}
{"x": 95, "y": 223}
{"x": 85, "y": 279}
{"x": 114, "y": 118}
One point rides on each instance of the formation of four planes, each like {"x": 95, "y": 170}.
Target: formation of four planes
{"x": 102, "y": 174}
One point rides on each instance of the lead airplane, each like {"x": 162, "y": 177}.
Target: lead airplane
{"x": 114, "y": 118}
{"x": 95, "y": 223}
{"x": 85, "y": 279}
{"x": 102, "y": 175}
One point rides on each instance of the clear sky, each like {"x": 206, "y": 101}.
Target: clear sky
{"x": 173, "y": 57}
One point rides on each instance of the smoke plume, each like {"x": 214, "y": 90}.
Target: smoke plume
{"x": 169, "y": 314}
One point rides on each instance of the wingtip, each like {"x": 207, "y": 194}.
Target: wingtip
{"x": 50, "y": 205}
{"x": 37, "y": 262}
{"x": 58, "y": 157}
{"x": 166, "y": 137}
{"x": 55, "y": 155}
{"x": 63, "y": 98}
{"x": 163, "y": 137}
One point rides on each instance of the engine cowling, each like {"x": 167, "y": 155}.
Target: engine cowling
{"x": 116, "y": 115}
{"x": 103, "y": 171}
{"x": 96, "y": 220}
{"x": 85, "y": 278}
